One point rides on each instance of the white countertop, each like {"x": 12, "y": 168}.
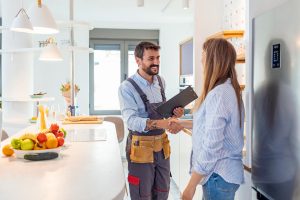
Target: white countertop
{"x": 84, "y": 171}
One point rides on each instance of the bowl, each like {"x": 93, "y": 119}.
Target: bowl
{"x": 21, "y": 153}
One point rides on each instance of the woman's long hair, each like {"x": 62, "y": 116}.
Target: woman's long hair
{"x": 220, "y": 58}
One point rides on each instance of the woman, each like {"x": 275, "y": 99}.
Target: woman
{"x": 217, "y": 141}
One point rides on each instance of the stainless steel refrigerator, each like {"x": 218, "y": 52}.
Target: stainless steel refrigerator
{"x": 276, "y": 102}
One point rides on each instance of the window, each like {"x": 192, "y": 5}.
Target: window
{"x": 112, "y": 62}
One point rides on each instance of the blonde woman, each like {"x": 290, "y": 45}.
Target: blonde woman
{"x": 218, "y": 116}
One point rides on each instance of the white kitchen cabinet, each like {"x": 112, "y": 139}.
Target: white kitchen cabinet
{"x": 245, "y": 191}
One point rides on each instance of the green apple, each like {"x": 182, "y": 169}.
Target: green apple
{"x": 15, "y": 143}
{"x": 27, "y": 144}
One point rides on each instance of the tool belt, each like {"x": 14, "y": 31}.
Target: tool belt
{"x": 143, "y": 147}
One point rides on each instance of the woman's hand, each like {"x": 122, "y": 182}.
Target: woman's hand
{"x": 188, "y": 193}
{"x": 190, "y": 189}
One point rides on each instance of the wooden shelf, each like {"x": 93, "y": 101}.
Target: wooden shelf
{"x": 242, "y": 87}
{"x": 240, "y": 58}
{"x": 228, "y": 34}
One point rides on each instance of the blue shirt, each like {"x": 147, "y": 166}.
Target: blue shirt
{"x": 131, "y": 105}
{"x": 217, "y": 140}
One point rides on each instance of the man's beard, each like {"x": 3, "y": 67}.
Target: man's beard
{"x": 150, "y": 72}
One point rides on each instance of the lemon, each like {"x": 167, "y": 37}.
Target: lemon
{"x": 34, "y": 118}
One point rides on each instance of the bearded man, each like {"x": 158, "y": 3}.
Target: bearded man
{"x": 148, "y": 146}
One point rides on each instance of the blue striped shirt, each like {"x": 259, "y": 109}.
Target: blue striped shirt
{"x": 131, "y": 105}
{"x": 217, "y": 140}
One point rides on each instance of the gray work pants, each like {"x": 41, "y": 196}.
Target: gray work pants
{"x": 149, "y": 181}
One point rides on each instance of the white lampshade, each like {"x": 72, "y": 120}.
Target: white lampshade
{"x": 185, "y": 4}
{"x": 51, "y": 53}
{"x": 21, "y": 22}
{"x": 42, "y": 20}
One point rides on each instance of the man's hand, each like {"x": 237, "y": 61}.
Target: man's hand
{"x": 178, "y": 112}
{"x": 174, "y": 126}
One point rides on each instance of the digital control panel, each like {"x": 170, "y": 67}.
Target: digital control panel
{"x": 276, "y": 56}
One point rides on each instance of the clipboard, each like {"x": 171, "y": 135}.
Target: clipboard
{"x": 182, "y": 99}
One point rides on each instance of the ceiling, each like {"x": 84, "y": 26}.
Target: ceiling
{"x": 127, "y": 10}
{"x": 118, "y": 12}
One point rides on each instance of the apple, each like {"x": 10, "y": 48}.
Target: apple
{"x": 15, "y": 143}
{"x": 64, "y": 131}
{"x": 59, "y": 134}
{"x": 41, "y": 137}
{"x": 54, "y": 128}
{"x": 27, "y": 144}
{"x": 60, "y": 141}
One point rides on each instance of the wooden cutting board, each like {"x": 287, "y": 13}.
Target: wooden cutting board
{"x": 83, "y": 122}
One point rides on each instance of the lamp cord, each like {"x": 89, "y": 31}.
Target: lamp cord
{"x": 39, "y": 2}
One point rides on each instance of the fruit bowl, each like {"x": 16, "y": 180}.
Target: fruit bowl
{"x": 21, "y": 153}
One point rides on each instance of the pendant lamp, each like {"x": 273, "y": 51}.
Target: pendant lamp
{"x": 42, "y": 19}
{"x": 140, "y": 3}
{"x": 21, "y": 22}
{"x": 50, "y": 52}
{"x": 185, "y": 4}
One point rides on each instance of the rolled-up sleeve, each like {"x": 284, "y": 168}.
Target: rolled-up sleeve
{"x": 216, "y": 116}
{"x": 129, "y": 110}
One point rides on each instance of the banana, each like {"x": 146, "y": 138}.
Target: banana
{"x": 31, "y": 136}
{"x": 46, "y": 130}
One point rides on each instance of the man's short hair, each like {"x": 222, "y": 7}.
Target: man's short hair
{"x": 142, "y": 46}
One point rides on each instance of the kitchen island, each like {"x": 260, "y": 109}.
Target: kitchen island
{"x": 88, "y": 168}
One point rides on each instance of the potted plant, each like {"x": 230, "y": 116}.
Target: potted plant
{"x": 66, "y": 92}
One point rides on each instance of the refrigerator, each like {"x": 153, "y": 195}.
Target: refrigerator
{"x": 276, "y": 103}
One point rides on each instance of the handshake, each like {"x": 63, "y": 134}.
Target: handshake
{"x": 174, "y": 125}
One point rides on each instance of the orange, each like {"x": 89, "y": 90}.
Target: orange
{"x": 51, "y": 143}
{"x": 7, "y": 150}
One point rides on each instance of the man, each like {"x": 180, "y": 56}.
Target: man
{"x": 148, "y": 147}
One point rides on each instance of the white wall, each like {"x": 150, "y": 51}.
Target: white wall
{"x": 170, "y": 37}
{"x": 48, "y": 76}
{"x": 207, "y": 20}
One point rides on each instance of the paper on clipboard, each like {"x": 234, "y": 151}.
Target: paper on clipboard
{"x": 182, "y": 99}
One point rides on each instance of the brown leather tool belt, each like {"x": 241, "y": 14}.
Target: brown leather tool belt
{"x": 143, "y": 147}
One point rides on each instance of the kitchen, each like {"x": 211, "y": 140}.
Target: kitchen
{"x": 177, "y": 26}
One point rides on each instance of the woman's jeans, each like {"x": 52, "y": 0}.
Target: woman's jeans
{"x": 216, "y": 188}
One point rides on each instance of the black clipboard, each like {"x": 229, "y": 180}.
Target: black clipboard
{"x": 182, "y": 99}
